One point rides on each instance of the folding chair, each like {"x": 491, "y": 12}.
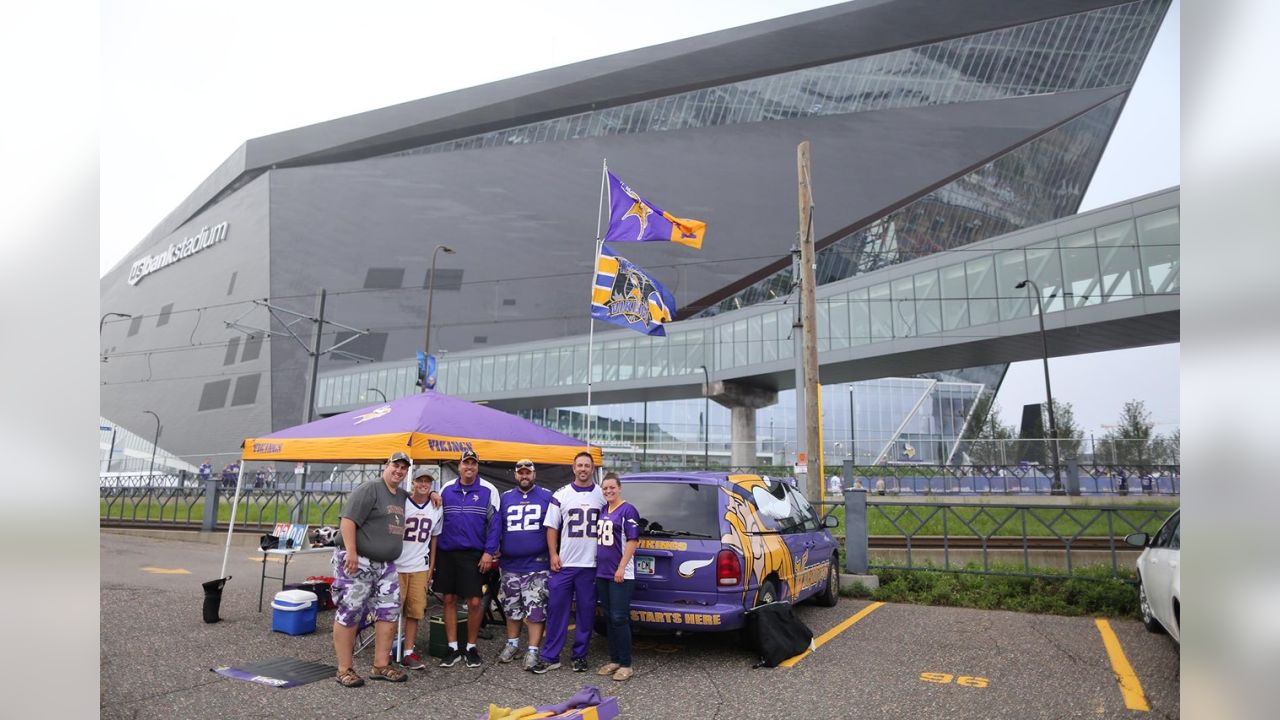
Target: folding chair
{"x": 365, "y": 635}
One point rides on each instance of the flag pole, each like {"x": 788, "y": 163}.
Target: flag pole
{"x": 595, "y": 268}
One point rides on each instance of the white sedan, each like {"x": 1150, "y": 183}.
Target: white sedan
{"x": 1159, "y": 577}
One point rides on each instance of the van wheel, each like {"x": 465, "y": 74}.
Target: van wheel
{"x": 831, "y": 595}
{"x": 767, "y": 593}
{"x": 1148, "y": 619}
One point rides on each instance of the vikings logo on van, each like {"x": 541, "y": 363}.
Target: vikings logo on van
{"x": 764, "y": 551}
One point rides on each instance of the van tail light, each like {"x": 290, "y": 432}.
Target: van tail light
{"x": 728, "y": 568}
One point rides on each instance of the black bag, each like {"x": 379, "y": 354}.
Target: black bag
{"x": 269, "y": 542}
{"x": 778, "y": 633}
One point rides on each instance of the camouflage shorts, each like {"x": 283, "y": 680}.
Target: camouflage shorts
{"x": 374, "y": 589}
{"x": 524, "y": 595}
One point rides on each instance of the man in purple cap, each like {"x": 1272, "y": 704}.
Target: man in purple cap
{"x": 364, "y": 571}
{"x": 467, "y": 545}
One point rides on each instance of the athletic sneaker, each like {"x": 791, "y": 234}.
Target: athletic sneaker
{"x": 543, "y": 666}
{"x": 579, "y": 664}
{"x": 472, "y": 656}
{"x": 530, "y": 659}
{"x": 451, "y": 658}
{"x": 508, "y": 653}
{"x": 412, "y": 661}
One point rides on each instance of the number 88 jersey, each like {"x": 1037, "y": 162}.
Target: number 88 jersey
{"x": 574, "y": 511}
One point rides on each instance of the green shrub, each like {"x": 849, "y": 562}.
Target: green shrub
{"x": 1090, "y": 591}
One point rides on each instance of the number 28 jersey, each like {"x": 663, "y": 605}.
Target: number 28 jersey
{"x": 574, "y": 511}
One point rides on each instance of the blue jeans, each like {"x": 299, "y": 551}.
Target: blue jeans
{"x": 615, "y": 599}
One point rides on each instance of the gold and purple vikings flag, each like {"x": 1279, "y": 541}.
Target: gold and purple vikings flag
{"x": 625, "y": 295}
{"x": 634, "y": 219}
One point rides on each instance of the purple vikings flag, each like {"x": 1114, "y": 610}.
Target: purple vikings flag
{"x": 625, "y": 295}
{"x": 634, "y": 219}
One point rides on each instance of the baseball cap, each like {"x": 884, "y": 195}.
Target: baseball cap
{"x": 469, "y": 455}
{"x": 422, "y": 471}
{"x": 524, "y": 463}
{"x": 399, "y": 457}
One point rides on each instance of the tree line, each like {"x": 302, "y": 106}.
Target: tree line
{"x": 1132, "y": 440}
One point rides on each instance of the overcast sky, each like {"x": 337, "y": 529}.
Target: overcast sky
{"x": 186, "y": 83}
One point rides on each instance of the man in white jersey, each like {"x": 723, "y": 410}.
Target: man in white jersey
{"x": 571, "y": 541}
{"x": 422, "y": 523}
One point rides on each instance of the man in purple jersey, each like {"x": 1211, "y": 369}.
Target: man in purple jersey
{"x": 524, "y": 561}
{"x": 571, "y": 540}
{"x": 466, "y": 546}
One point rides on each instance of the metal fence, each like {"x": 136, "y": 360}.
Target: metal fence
{"x": 188, "y": 501}
{"x": 1046, "y": 539}
{"x": 1056, "y": 540}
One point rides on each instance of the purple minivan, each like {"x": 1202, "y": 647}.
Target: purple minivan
{"x": 713, "y": 545}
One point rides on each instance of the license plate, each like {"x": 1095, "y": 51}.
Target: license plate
{"x": 644, "y": 565}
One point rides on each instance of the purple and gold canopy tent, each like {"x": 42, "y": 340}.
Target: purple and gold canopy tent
{"x": 430, "y": 427}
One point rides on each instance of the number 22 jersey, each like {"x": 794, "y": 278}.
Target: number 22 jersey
{"x": 574, "y": 511}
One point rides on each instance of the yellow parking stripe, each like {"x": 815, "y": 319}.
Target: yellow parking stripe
{"x": 166, "y": 571}
{"x": 824, "y": 637}
{"x": 1130, "y": 688}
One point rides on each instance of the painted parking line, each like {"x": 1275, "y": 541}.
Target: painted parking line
{"x": 1130, "y": 688}
{"x": 824, "y": 637}
{"x": 165, "y": 571}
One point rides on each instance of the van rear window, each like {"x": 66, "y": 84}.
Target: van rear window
{"x": 675, "y": 508}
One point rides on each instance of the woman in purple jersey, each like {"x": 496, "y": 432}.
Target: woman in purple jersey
{"x": 617, "y": 535}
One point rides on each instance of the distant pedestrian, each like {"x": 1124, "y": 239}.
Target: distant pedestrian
{"x": 206, "y": 470}
{"x": 230, "y": 474}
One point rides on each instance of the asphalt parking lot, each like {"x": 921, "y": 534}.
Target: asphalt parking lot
{"x": 875, "y": 660}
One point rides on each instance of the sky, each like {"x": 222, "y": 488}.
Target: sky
{"x": 185, "y": 84}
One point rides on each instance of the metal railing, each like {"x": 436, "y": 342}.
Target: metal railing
{"x": 1041, "y": 540}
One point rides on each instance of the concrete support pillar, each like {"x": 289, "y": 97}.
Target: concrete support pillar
{"x": 742, "y": 401}
{"x": 855, "y": 531}
{"x": 210, "y": 519}
{"x": 743, "y": 434}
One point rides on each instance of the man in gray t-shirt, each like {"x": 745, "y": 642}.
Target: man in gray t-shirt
{"x": 364, "y": 570}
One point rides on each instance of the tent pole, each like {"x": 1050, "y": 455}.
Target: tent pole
{"x": 232, "y": 526}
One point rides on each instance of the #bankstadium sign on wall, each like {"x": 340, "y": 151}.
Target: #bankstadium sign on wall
{"x": 178, "y": 251}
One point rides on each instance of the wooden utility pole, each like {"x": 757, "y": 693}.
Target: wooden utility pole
{"x": 809, "y": 320}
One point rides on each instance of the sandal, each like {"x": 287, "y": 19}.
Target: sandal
{"x": 609, "y": 669}
{"x": 388, "y": 673}
{"x": 349, "y": 678}
{"x": 623, "y": 674}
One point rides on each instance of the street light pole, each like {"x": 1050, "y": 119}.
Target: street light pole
{"x": 103, "y": 320}
{"x": 154, "y": 442}
{"x": 853, "y": 437}
{"x": 1056, "y": 487}
{"x": 431, "y": 291}
{"x": 111, "y": 314}
{"x": 706, "y": 415}
{"x": 384, "y": 395}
